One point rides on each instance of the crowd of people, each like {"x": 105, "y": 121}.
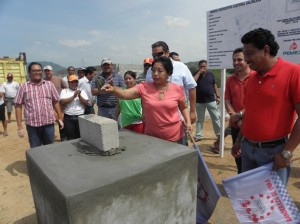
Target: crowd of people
{"x": 262, "y": 98}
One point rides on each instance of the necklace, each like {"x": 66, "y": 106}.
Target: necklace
{"x": 161, "y": 91}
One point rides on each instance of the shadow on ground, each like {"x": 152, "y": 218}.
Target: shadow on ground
{"x": 17, "y": 167}
{"x": 31, "y": 219}
{"x": 295, "y": 172}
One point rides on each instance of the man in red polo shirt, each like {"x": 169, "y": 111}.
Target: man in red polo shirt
{"x": 234, "y": 94}
{"x": 272, "y": 100}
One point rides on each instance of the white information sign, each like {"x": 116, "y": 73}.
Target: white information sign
{"x": 226, "y": 26}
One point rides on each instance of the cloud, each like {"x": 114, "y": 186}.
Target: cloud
{"x": 176, "y": 21}
{"x": 74, "y": 43}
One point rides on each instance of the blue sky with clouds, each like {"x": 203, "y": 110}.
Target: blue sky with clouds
{"x": 81, "y": 33}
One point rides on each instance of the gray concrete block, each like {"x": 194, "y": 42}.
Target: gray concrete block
{"x": 100, "y": 132}
{"x": 153, "y": 181}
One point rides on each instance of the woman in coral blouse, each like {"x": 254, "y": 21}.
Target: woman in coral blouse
{"x": 161, "y": 100}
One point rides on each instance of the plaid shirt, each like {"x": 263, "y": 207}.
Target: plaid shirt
{"x": 38, "y": 102}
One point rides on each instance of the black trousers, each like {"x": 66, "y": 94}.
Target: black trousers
{"x": 234, "y": 134}
{"x": 71, "y": 126}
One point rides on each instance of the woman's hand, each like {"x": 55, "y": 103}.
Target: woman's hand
{"x": 107, "y": 88}
{"x": 189, "y": 127}
{"x": 76, "y": 93}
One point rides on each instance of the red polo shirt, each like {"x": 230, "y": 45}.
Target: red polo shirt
{"x": 235, "y": 91}
{"x": 270, "y": 102}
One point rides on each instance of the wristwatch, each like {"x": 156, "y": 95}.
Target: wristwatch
{"x": 240, "y": 113}
{"x": 287, "y": 154}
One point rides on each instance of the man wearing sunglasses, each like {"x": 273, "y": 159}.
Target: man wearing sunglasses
{"x": 181, "y": 76}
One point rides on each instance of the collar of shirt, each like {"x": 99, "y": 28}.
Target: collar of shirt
{"x": 37, "y": 84}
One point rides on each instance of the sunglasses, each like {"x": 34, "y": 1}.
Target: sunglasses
{"x": 158, "y": 54}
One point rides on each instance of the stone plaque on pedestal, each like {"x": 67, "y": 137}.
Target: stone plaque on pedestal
{"x": 152, "y": 181}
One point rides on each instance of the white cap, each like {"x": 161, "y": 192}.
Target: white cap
{"x": 48, "y": 67}
{"x": 106, "y": 61}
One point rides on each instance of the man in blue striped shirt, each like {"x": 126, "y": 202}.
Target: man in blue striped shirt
{"x": 106, "y": 102}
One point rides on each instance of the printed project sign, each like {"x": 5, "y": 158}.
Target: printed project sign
{"x": 258, "y": 196}
{"x": 226, "y": 26}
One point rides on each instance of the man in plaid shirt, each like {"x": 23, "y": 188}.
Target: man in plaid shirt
{"x": 39, "y": 97}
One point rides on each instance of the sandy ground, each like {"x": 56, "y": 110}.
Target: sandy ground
{"x": 16, "y": 202}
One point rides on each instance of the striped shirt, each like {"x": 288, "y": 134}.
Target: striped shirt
{"x": 108, "y": 100}
{"x": 38, "y": 102}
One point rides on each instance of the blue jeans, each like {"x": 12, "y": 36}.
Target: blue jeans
{"x": 42, "y": 135}
{"x": 108, "y": 112}
{"x": 214, "y": 115}
{"x": 253, "y": 157}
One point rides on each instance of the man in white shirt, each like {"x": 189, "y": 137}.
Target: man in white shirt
{"x": 85, "y": 84}
{"x": 11, "y": 87}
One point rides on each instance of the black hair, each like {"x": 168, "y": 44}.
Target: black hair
{"x": 259, "y": 38}
{"x": 31, "y": 64}
{"x": 238, "y": 50}
{"x": 89, "y": 70}
{"x": 161, "y": 44}
{"x": 71, "y": 67}
{"x": 173, "y": 53}
{"x": 131, "y": 73}
{"x": 166, "y": 62}
{"x": 202, "y": 61}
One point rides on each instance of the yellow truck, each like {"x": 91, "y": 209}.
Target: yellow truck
{"x": 16, "y": 66}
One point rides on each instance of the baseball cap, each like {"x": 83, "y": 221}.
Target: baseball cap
{"x": 106, "y": 61}
{"x": 9, "y": 75}
{"x": 48, "y": 67}
{"x": 81, "y": 69}
{"x": 72, "y": 78}
{"x": 148, "y": 61}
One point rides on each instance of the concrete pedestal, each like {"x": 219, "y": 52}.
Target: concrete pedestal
{"x": 153, "y": 181}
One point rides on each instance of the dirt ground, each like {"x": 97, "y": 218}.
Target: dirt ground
{"x": 16, "y": 202}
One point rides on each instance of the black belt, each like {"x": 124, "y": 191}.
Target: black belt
{"x": 71, "y": 116}
{"x": 107, "y": 106}
{"x": 270, "y": 144}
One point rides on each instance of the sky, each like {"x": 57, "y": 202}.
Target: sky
{"x": 82, "y": 33}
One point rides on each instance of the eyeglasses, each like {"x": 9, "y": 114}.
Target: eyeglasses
{"x": 36, "y": 71}
{"x": 158, "y": 54}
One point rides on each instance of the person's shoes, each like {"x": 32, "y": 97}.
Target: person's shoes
{"x": 214, "y": 150}
{"x": 5, "y": 134}
{"x": 197, "y": 139}
{"x": 227, "y": 131}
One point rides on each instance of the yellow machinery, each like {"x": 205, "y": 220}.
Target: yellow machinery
{"x": 16, "y": 66}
